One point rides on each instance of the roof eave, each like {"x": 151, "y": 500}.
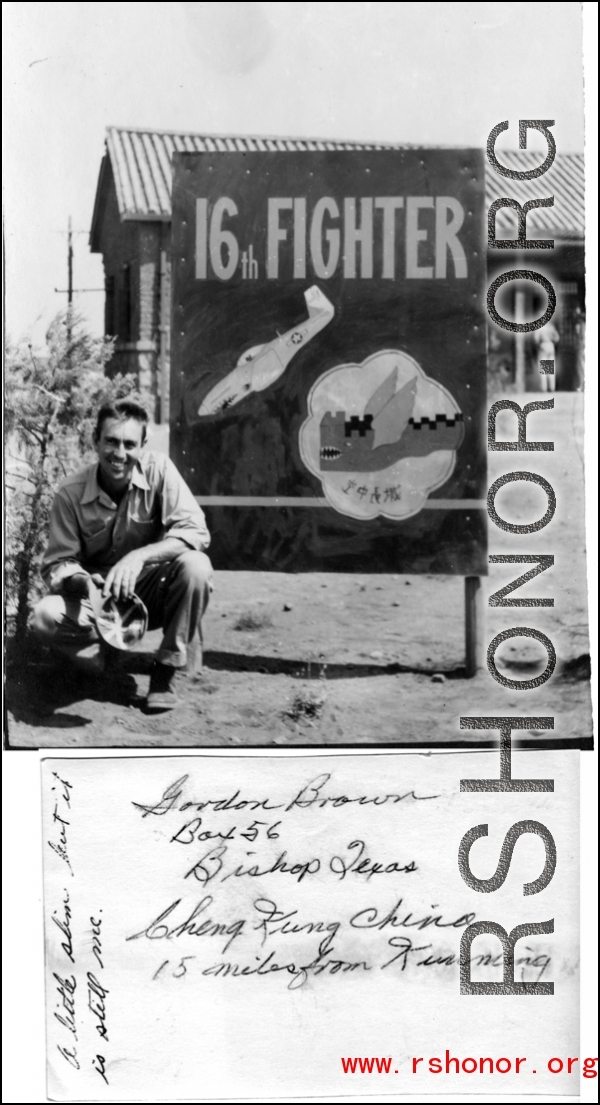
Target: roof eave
{"x": 145, "y": 217}
{"x": 139, "y": 170}
{"x": 99, "y": 203}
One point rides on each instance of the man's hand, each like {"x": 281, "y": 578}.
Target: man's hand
{"x": 122, "y": 578}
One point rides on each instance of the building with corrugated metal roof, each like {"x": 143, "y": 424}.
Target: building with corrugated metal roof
{"x": 131, "y": 228}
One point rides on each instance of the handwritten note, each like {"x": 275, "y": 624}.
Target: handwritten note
{"x": 222, "y": 926}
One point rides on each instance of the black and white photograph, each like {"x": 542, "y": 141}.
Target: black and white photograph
{"x": 299, "y": 382}
{"x": 257, "y": 392}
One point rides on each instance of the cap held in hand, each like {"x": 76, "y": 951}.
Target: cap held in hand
{"x": 121, "y": 622}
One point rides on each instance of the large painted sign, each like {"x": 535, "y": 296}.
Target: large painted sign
{"x": 328, "y": 357}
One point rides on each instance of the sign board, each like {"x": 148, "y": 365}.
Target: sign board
{"x": 329, "y": 358}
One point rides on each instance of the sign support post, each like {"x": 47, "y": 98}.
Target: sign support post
{"x": 474, "y": 647}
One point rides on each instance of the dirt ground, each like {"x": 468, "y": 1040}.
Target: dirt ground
{"x": 352, "y": 659}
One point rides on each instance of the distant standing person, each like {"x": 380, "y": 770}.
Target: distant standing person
{"x": 546, "y": 340}
{"x": 579, "y": 330}
{"x": 126, "y": 525}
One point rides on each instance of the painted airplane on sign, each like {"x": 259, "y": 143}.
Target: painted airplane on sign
{"x": 262, "y": 365}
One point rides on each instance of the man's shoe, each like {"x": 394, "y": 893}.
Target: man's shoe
{"x": 162, "y": 694}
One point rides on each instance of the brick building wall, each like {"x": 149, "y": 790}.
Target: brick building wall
{"x": 136, "y": 256}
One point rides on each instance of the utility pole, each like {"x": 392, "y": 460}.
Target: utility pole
{"x": 70, "y": 263}
{"x": 70, "y": 290}
{"x": 70, "y": 282}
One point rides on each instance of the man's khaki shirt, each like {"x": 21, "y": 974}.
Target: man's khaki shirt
{"x": 91, "y": 532}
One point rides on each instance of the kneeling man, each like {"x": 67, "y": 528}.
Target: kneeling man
{"x": 128, "y": 525}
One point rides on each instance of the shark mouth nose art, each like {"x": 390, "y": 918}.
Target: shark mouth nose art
{"x": 222, "y": 404}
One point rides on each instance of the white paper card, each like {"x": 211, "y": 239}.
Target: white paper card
{"x": 237, "y": 927}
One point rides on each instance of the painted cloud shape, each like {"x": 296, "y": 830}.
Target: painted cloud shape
{"x": 380, "y": 436}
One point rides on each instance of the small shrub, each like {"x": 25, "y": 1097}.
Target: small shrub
{"x": 251, "y": 620}
{"x": 50, "y": 403}
{"x": 307, "y": 704}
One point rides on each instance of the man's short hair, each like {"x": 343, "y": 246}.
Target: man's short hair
{"x": 122, "y": 410}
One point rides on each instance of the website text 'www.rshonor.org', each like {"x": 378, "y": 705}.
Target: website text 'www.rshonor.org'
{"x": 452, "y": 1065}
